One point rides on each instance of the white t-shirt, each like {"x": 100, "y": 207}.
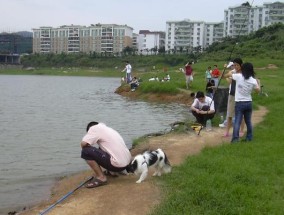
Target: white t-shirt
{"x": 207, "y": 102}
{"x": 109, "y": 141}
{"x": 244, "y": 87}
{"x": 128, "y": 68}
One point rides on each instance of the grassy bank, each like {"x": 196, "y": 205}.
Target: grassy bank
{"x": 245, "y": 178}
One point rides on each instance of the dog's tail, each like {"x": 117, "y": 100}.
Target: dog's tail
{"x": 167, "y": 168}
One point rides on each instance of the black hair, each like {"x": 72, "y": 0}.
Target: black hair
{"x": 199, "y": 94}
{"x": 247, "y": 70}
{"x": 238, "y": 61}
{"x": 90, "y": 125}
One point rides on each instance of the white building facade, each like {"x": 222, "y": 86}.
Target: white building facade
{"x": 149, "y": 42}
{"x": 186, "y": 35}
{"x": 99, "y": 38}
{"x": 243, "y": 19}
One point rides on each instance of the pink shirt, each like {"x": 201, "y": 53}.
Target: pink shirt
{"x": 109, "y": 141}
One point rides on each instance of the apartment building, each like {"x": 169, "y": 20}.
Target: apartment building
{"x": 213, "y": 33}
{"x": 243, "y": 19}
{"x": 99, "y": 38}
{"x": 150, "y": 41}
{"x": 186, "y": 35}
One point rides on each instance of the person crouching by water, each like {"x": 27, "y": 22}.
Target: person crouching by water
{"x": 112, "y": 153}
{"x": 134, "y": 84}
{"x": 202, "y": 108}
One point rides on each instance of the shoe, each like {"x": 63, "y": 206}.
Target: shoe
{"x": 222, "y": 125}
{"x": 132, "y": 90}
{"x": 226, "y": 135}
{"x": 95, "y": 183}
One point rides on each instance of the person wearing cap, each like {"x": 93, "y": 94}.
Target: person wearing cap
{"x": 102, "y": 146}
{"x": 202, "y": 108}
{"x": 235, "y": 67}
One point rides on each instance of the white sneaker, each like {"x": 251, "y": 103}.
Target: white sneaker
{"x": 222, "y": 125}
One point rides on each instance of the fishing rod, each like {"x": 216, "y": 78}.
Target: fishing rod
{"x": 249, "y": 6}
{"x": 64, "y": 197}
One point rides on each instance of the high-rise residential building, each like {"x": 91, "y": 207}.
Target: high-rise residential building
{"x": 149, "y": 42}
{"x": 99, "y": 38}
{"x": 186, "y": 35}
{"x": 213, "y": 33}
{"x": 244, "y": 19}
{"x": 238, "y": 20}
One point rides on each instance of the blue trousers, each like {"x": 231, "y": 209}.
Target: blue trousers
{"x": 242, "y": 109}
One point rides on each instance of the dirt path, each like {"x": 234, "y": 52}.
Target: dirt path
{"x": 122, "y": 196}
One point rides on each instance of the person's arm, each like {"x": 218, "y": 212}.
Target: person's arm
{"x": 194, "y": 105}
{"x": 258, "y": 86}
{"x": 228, "y": 74}
{"x": 84, "y": 144}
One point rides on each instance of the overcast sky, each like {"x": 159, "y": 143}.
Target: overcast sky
{"x": 18, "y": 15}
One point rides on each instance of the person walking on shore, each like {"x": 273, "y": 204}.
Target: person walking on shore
{"x": 188, "y": 74}
{"x": 112, "y": 153}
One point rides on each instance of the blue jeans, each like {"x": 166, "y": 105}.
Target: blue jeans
{"x": 242, "y": 109}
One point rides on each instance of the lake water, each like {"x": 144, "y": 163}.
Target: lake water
{"x": 43, "y": 119}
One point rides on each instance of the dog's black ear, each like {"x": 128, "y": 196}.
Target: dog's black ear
{"x": 131, "y": 167}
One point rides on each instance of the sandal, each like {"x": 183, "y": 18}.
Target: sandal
{"x": 226, "y": 135}
{"x": 95, "y": 183}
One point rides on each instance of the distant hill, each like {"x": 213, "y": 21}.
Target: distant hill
{"x": 267, "y": 41}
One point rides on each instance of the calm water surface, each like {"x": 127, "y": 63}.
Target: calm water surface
{"x": 42, "y": 121}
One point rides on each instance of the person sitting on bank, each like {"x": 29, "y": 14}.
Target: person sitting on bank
{"x": 134, "y": 84}
{"x": 202, "y": 108}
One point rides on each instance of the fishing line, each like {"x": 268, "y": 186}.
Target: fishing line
{"x": 249, "y": 6}
{"x": 64, "y": 197}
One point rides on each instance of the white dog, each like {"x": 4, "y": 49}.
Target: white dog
{"x": 157, "y": 159}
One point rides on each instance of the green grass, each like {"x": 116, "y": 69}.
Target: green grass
{"x": 244, "y": 178}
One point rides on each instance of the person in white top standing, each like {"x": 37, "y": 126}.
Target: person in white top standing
{"x": 128, "y": 69}
{"x": 112, "y": 154}
{"x": 245, "y": 84}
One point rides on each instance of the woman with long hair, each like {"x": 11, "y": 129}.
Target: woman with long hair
{"x": 245, "y": 84}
